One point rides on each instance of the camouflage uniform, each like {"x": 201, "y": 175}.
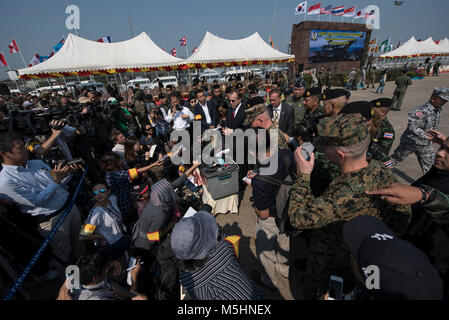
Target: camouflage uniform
{"x": 414, "y": 139}
{"x": 380, "y": 146}
{"x": 401, "y": 87}
{"x": 324, "y": 172}
{"x": 298, "y": 106}
{"x": 311, "y": 118}
{"x": 344, "y": 200}
{"x": 282, "y": 142}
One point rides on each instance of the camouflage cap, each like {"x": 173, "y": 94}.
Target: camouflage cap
{"x": 342, "y": 130}
{"x": 441, "y": 92}
{"x": 252, "y": 113}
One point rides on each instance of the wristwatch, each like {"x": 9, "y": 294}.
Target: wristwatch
{"x": 426, "y": 191}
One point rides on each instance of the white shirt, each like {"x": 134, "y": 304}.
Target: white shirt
{"x": 120, "y": 150}
{"x": 33, "y": 188}
{"x": 237, "y": 110}
{"x": 278, "y": 111}
{"x": 178, "y": 122}
{"x": 107, "y": 220}
{"x": 206, "y": 112}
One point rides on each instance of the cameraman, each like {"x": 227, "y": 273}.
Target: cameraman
{"x": 181, "y": 116}
{"x": 40, "y": 149}
{"x": 40, "y": 192}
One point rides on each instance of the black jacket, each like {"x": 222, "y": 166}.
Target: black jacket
{"x": 287, "y": 118}
{"x": 237, "y": 122}
{"x": 198, "y": 110}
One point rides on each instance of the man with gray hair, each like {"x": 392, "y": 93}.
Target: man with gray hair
{"x": 417, "y": 137}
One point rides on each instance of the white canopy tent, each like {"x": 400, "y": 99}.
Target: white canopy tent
{"x": 84, "y": 57}
{"x": 430, "y": 47}
{"x": 444, "y": 45}
{"x": 409, "y": 48}
{"x": 414, "y": 48}
{"x": 218, "y": 52}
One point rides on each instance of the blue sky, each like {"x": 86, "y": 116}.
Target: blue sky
{"x": 39, "y": 25}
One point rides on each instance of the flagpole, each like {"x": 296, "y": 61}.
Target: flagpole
{"x": 187, "y": 55}
{"x": 305, "y": 13}
{"x": 24, "y": 63}
{"x": 9, "y": 68}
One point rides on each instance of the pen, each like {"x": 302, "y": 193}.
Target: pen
{"x": 133, "y": 267}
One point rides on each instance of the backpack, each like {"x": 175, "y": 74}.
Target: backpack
{"x": 283, "y": 199}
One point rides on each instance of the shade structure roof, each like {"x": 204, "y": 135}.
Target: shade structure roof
{"x": 216, "y": 52}
{"x": 79, "y": 56}
{"x": 414, "y": 48}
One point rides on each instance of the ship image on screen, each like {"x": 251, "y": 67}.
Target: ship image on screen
{"x": 332, "y": 45}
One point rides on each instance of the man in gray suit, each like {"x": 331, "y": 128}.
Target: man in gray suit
{"x": 283, "y": 114}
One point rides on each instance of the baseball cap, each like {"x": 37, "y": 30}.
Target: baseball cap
{"x": 405, "y": 271}
{"x": 441, "y": 92}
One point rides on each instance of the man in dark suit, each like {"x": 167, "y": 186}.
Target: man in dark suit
{"x": 236, "y": 114}
{"x": 283, "y": 115}
{"x": 205, "y": 111}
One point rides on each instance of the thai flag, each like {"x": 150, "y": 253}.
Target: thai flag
{"x": 326, "y": 10}
{"x": 350, "y": 12}
{"x": 105, "y": 39}
{"x": 388, "y": 135}
{"x": 338, "y": 11}
{"x": 183, "y": 41}
{"x": 389, "y": 163}
{"x": 314, "y": 9}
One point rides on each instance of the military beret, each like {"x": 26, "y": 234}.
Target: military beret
{"x": 315, "y": 91}
{"x": 342, "y": 130}
{"x": 300, "y": 83}
{"x": 256, "y": 100}
{"x": 364, "y": 108}
{"x": 330, "y": 94}
{"x": 253, "y": 112}
{"x": 238, "y": 86}
{"x": 441, "y": 92}
{"x": 382, "y": 103}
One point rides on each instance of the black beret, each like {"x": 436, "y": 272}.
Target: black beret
{"x": 315, "y": 91}
{"x": 330, "y": 94}
{"x": 364, "y": 108}
{"x": 382, "y": 103}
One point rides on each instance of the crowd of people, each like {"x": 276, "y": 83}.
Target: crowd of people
{"x": 333, "y": 187}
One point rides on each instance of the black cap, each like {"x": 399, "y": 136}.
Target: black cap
{"x": 330, "y": 94}
{"x": 365, "y": 108}
{"x": 382, "y": 103}
{"x": 256, "y": 100}
{"x": 315, "y": 91}
{"x": 405, "y": 272}
{"x": 161, "y": 95}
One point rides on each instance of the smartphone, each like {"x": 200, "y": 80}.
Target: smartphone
{"x": 335, "y": 288}
{"x": 246, "y": 179}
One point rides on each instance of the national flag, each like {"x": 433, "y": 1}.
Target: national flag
{"x": 399, "y": 44}
{"x": 193, "y": 51}
{"x": 13, "y": 47}
{"x": 437, "y": 42}
{"x": 369, "y": 14}
{"x": 326, "y": 10}
{"x": 301, "y": 8}
{"x": 271, "y": 42}
{"x": 183, "y": 41}
{"x": 384, "y": 45}
{"x": 154, "y": 236}
{"x": 173, "y": 52}
{"x": 104, "y": 40}
{"x": 35, "y": 60}
{"x": 360, "y": 14}
{"x": 3, "y": 60}
{"x": 314, "y": 9}
{"x": 58, "y": 46}
{"x": 389, "y": 163}
{"x": 350, "y": 12}
{"x": 373, "y": 41}
{"x": 398, "y": 3}
{"x": 388, "y": 135}
{"x": 338, "y": 11}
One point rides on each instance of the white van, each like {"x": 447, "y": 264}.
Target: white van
{"x": 142, "y": 82}
{"x": 165, "y": 81}
{"x": 210, "y": 75}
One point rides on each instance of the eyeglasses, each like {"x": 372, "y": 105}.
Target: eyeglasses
{"x": 232, "y": 100}
{"x": 101, "y": 190}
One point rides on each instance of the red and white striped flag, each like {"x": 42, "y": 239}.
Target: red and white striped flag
{"x": 350, "y": 12}
{"x": 173, "y": 52}
{"x": 314, "y": 9}
{"x": 3, "y": 60}
{"x": 35, "y": 60}
{"x": 196, "y": 48}
{"x": 13, "y": 47}
{"x": 183, "y": 41}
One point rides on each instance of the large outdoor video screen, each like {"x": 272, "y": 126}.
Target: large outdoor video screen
{"x": 332, "y": 45}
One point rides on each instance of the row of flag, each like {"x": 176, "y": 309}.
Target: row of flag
{"x": 183, "y": 43}
{"x": 337, "y": 11}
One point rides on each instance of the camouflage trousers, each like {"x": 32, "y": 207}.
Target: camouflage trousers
{"x": 425, "y": 155}
{"x": 398, "y": 97}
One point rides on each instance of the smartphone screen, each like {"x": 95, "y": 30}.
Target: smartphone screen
{"x": 335, "y": 288}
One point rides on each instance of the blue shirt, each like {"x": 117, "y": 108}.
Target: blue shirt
{"x": 33, "y": 188}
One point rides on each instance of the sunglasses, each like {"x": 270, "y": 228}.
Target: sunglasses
{"x": 101, "y": 190}
{"x": 232, "y": 100}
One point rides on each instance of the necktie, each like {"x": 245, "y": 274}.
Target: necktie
{"x": 276, "y": 116}
{"x": 233, "y": 114}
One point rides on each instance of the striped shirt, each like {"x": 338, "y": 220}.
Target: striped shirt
{"x": 220, "y": 278}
